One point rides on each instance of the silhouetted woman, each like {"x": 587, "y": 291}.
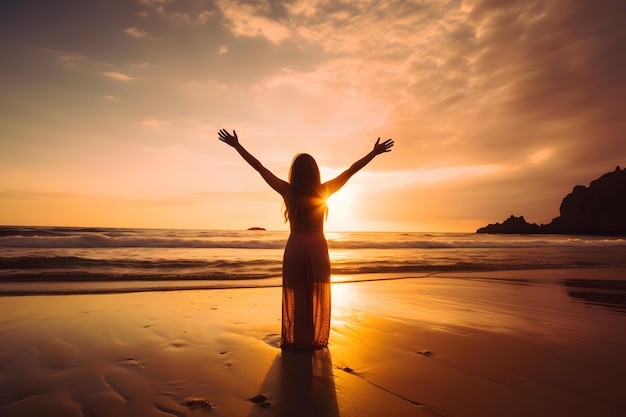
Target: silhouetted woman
{"x": 306, "y": 264}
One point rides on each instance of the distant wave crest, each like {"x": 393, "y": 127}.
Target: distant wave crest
{"x": 100, "y": 240}
{"x": 104, "y": 241}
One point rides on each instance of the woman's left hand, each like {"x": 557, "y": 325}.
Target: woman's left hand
{"x": 383, "y": 147}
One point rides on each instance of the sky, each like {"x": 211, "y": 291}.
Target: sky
{"x": 109, "y": 109}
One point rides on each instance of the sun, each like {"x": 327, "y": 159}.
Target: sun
{"x": 341, "y": 214}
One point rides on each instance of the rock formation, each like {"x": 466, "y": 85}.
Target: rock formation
{"x": 599, "y": 209}
{"x": 511, "y": 225}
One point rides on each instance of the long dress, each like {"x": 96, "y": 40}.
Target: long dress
{"x": 306, "y": 303}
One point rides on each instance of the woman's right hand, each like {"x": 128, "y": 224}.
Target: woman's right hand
{"x": 227, "y": 138}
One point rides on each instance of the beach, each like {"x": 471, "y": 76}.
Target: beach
{"x": 497, "y": 343}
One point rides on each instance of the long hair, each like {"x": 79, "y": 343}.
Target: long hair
{"x": 305, "y": 196}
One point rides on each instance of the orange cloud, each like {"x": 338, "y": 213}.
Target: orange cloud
{"x": 249, "y": 20}
{"x": 118, "y": 76}
{"x": 135, "y": 32}
{"x": 155, "y": 122}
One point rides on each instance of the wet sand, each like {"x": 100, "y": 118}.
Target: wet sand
{"x": 511, "y": 343}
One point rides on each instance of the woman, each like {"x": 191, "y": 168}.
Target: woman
{"x": 306, "y": 265}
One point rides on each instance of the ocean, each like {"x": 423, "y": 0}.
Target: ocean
{"x": 69, "y": 260}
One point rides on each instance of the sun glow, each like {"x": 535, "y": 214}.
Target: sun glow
{"x": 341, "y": 210}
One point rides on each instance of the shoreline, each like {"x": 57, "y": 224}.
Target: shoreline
{"x": 513, "y": 343}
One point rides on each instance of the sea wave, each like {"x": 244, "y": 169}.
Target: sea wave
{"x": 66, "y": 262}
{"x": 469, "y": 244}
{"x": 105, "y": 241}
{"x": 100, "y": 240}
{"x": 71, "y": 268}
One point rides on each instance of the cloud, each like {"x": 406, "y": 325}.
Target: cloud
{"x": 369, "y": 27}
{"x": 71, "y": 61}
{"x": 135, "y": 32}
{"x": 140, "y": 65}
{"x": 117, "y": 76}
{"x": 187, "y": 11}
{"x": 253, "y": 20}
{"x": 34, "y": 195}
{"x": 404, "y": 56}
{"x": 156, "y": 5}
{"x": 81, "y": 62}
{"x": 155, "y": 122}
{"x": 393, "y": 179}
{"x": 554, "y": 70}
{"x": 336, "y": 97}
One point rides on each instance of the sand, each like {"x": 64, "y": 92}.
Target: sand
{"x": 510, "y": 343}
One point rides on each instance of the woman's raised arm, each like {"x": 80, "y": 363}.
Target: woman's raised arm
{"x": 338, "y": 182}
{"x": 272, "y": 180}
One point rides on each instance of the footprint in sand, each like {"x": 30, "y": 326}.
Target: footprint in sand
{"x": 260, "y": 401}
{"x": 197, "y": 402}
{"x": 273, "y": 340}
{"x": 133, "y": 361}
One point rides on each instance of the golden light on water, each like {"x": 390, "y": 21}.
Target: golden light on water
{"x": 342, "y": 294}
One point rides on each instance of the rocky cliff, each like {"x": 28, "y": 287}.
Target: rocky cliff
{"x": 599, "y": 209}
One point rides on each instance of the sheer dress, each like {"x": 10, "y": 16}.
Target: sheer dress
{"x": 306, "y": 302}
